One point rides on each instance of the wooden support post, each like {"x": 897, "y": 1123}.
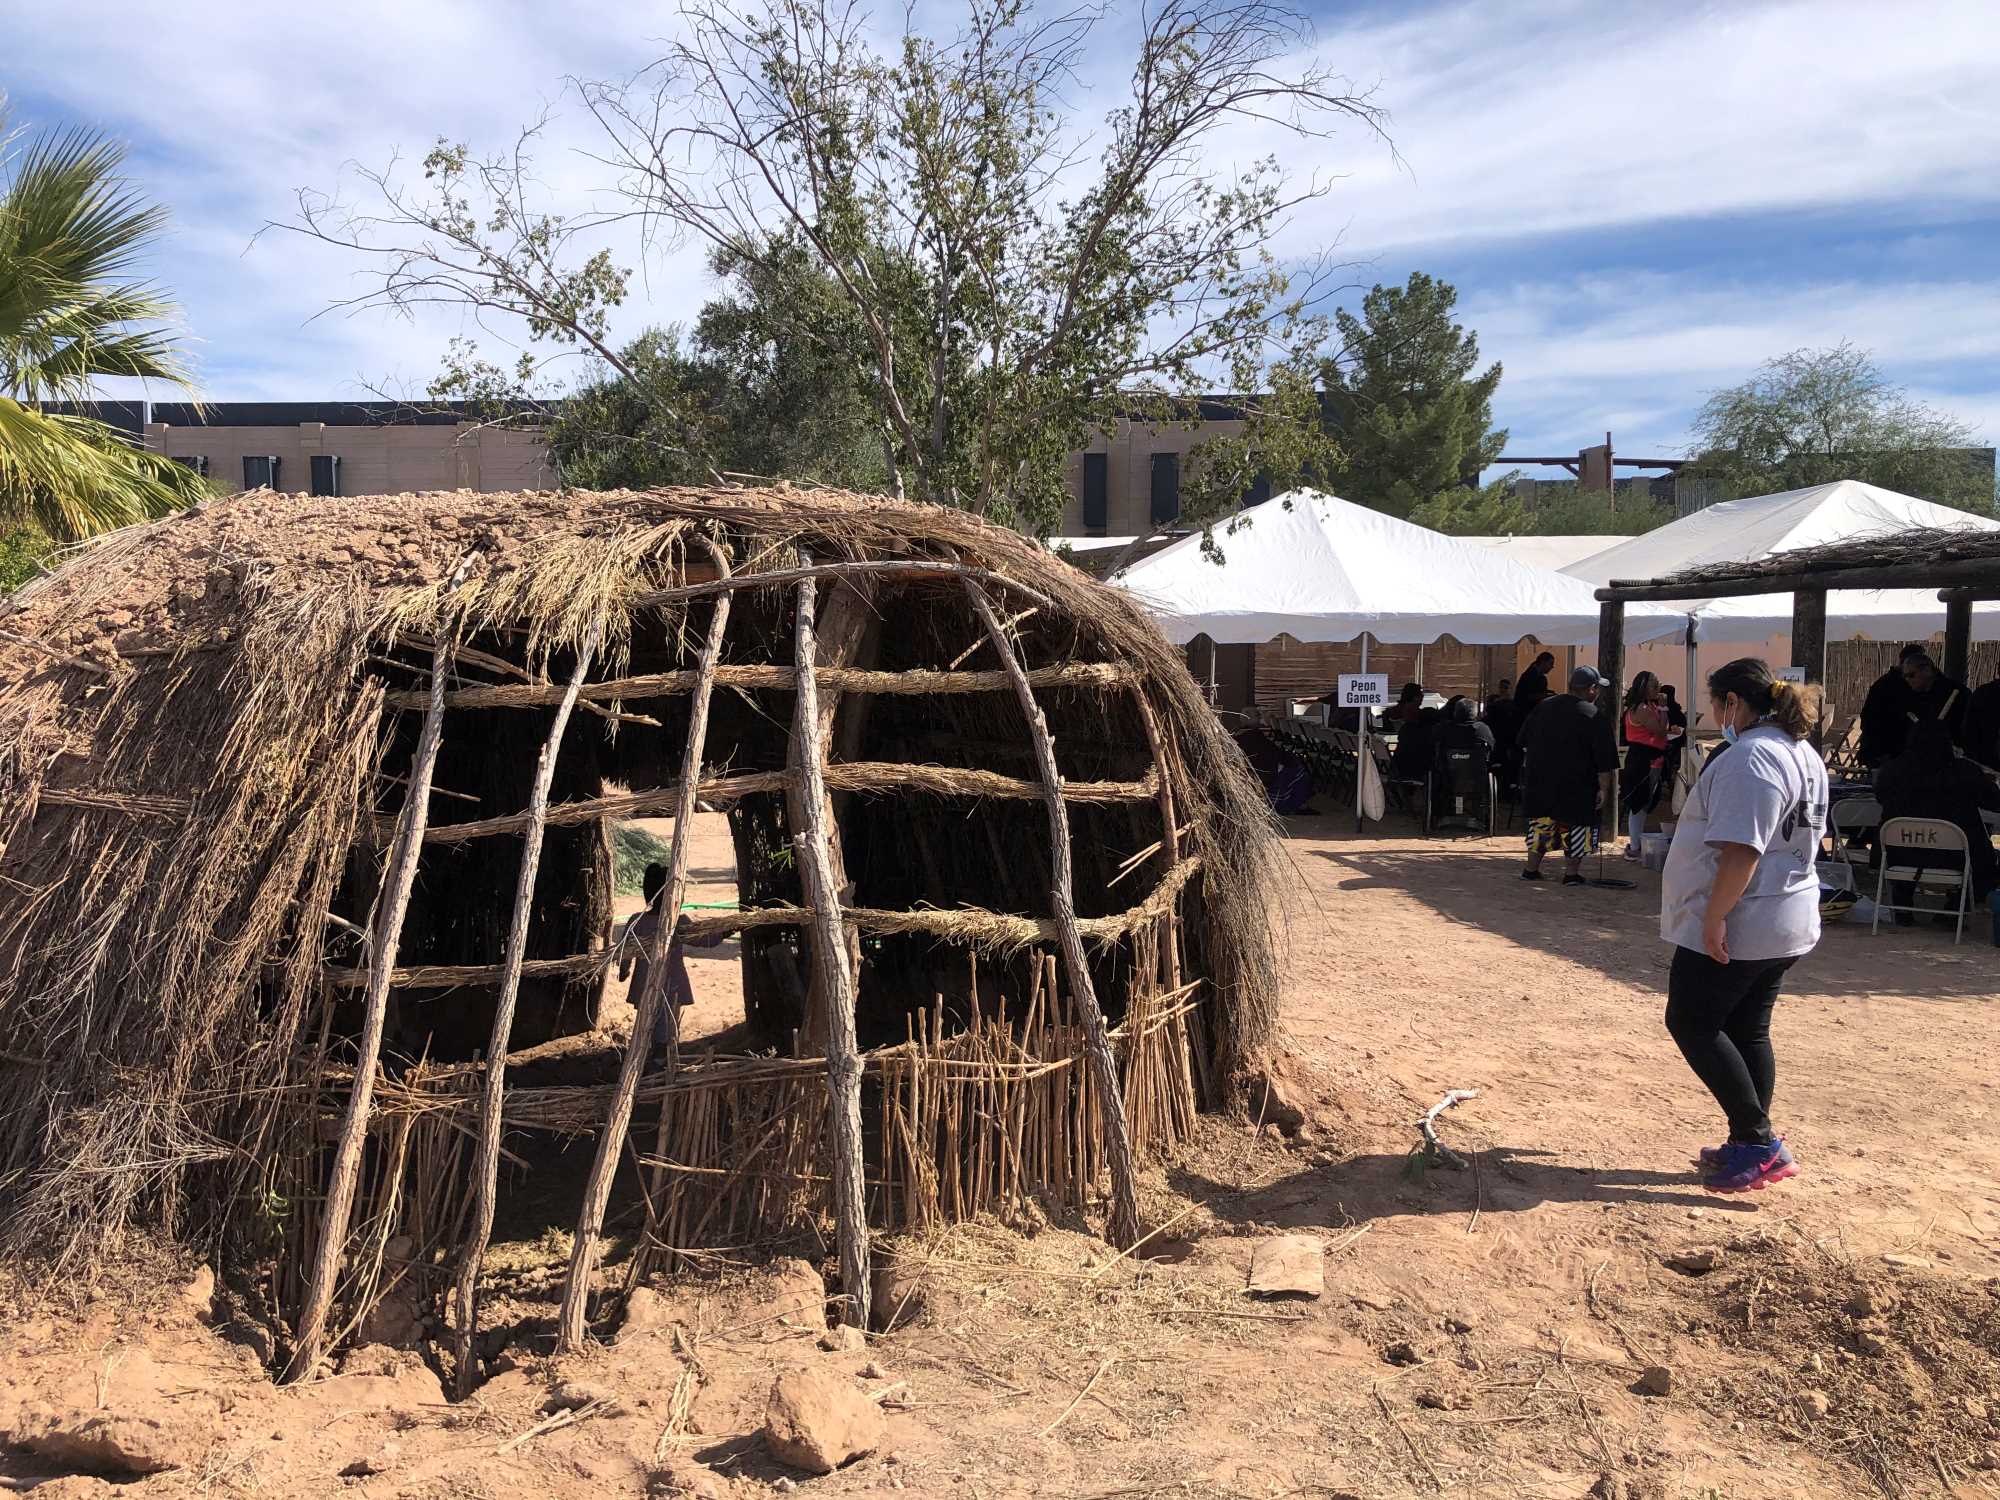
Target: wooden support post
{"x": 1170, "y": 833}
{"x": 1958, "y": 639}
{"x": 1122, "y": 1226}
{"x": 570, "y": 1319}
{"x": 392, "y": 902}
{"x": 1611, "y": 697}
{"x": 486, "y": 1168}
{"x": 1809, "y": 640}
{"x": 831, "y": 974}
{"x": 847, "y": 632}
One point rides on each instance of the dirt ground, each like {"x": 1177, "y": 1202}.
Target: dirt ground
{"x": 1568, "y": 1316}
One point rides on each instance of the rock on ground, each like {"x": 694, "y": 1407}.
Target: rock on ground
{"x": 895, "y": 1295}
{"x": 1288, "y": 1265}
{"x": 104, "y": 1442}
{"x": 819, "y": 1422}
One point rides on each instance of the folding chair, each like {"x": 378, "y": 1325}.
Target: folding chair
{"x": 1907, "y": 837}
{"x": 1850, "y": 820}
{"x": 1843, "y": 755}
{"x": 1462, "y": 789}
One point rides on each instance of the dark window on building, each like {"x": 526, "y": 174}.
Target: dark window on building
{"x": 1166, "y": 488}
{"x": 199, "y": 463}
{"x": 1096, "y": 492}
{"x": 1258, "y": 493}
{"x": 260, "y": 473}
{"x": 325, "y": 473}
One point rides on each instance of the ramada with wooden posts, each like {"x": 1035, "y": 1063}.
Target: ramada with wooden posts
{"x": 306, "y": 812}
{"x": 1961, "y": 565}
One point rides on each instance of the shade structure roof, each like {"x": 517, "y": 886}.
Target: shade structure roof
{"x": 1768, "y": 525}
{"x": 1318, "y": 568}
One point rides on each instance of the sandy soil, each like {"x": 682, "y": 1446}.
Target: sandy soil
{"x": 1483, "y": 1333}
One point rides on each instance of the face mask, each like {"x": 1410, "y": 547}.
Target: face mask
{"x": 1729, "y": 734}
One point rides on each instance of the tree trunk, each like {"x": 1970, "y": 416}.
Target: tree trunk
{"x": 1122, "y": 1225}
{"x": 831, "y": 974}
{"x": 487, "y": 1166}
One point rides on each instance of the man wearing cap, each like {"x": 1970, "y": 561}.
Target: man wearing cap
{"x": 1569, "y": 760}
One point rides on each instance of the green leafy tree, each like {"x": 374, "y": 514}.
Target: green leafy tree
{"x": 71, "y": 231}
{"x": 1817, "y": 415}
{"x": 984, "y": 283}
{"x": 1411, "y": 410}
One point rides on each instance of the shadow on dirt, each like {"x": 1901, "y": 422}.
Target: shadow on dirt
{"x": 1498, "y": 1180}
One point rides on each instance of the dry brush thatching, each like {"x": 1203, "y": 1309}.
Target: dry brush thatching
{"x": 202, "y": 724}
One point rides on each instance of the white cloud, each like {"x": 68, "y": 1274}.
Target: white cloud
{"x": 1530, "y": 119}
{"x": 1638, "y": 352}
{"x": 1566, "y": 115}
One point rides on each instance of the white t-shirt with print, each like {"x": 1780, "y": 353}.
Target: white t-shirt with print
{"x": 1768, "y": 791}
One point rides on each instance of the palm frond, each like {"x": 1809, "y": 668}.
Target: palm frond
{"x": 75, "y": 476}
{"x": 70, "y": 229}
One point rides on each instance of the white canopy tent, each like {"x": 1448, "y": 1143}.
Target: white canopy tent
{"x": 1763, "y": 526}
{"x": 1552, "y": 552}
{"x": 1747, "y": 530}
{"x": 1318, "y": 568}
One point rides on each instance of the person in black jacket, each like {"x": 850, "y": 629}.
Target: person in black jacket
{"x": 1982, "y": 726}
{"x": 1929, "y": 781}
{"x": 1534, "y": 684}
{"x": 1915, "y": 692}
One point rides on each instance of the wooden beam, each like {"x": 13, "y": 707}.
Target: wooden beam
{"x": 1973, "y": 571}
{"x": 832, "y": 976}
{"x": 570, "y": 1318}
{"x": 1957, "y": 638}
{"x": 1611, "y": 696}
{"x": 1973, "y": 592}
{"x": 392, "y": 904}
{"x": 751, "y": 677}
{"x": 968, "y": 926}
{"x": 861, "y": 776}
{"x": 486, "y": 1168}
{"x": 1122, "y": 1223}
{"x": 902, "y": 570}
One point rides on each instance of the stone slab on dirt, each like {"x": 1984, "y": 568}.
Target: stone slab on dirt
{"x": 818, "y": 1422}
{"x": 1288, "y": 1265}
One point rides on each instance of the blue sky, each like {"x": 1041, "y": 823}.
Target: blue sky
{"x": 1638, "y": 203}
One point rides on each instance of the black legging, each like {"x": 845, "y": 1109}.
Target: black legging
{"x": 1719, "y": 1015}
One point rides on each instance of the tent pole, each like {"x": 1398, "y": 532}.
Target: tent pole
{"x": 1361, "y": 755}
{"x": 1691, "y": 691}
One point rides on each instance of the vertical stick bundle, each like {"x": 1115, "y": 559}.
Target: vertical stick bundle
{"x": 392, "y": 903}
{"x": 832, "y": 976}
{"x": 1122, "y": 1226}
{"x": 667, "y": 911}
{"x": 488, "y": 1165}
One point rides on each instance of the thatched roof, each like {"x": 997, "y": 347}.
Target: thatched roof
{"x": 195, "y": 717}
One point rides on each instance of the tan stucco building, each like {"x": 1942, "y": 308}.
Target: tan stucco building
{"x": 346, "y": 447}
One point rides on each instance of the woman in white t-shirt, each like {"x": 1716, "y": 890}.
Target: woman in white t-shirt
{"x": 1740, "y": 903}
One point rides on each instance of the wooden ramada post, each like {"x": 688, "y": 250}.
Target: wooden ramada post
{"x": 1122, "y": 1224}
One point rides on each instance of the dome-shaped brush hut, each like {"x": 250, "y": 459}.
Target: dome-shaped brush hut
{"x": 305, "y": 812}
